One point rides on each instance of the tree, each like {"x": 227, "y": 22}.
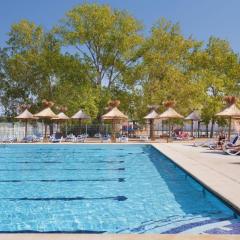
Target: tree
{"x": 32, "y": 59}
{"x": 107, "y": 40}
{"x": 218, "y": 69}
{"x": 167, "y": 57}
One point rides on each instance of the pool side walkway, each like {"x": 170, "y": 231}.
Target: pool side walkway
{"x": 216, "y": 170}
{"x": 115, "y": 237}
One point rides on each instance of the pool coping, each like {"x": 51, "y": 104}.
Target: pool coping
{"x": 116, "y": 237}
{"x": 216, "y": 183}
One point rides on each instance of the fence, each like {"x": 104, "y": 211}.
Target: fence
{"x": 17, "y": 129}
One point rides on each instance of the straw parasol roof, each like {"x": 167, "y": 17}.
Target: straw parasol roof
{"x": 61, "y": 116}
{"x": 231, "y": 111}
{"x": 194, "y": 116}
{"x": 170, "y": 113}
{"x": 114, "y": 114}
{"x": 80, "y": 115}
{"x": 152, "y": 115}
{"x": 25, "y": 115}
{"x": 46, "y": 113}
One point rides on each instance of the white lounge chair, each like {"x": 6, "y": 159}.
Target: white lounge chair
{"x": 81, "y": 138}
{"x": 144, "y": 138}
{"x": 232, "y": 151}
{"x": 70, "y": 138}
{"x": 122, "y": 138}
{"x": 106, "y": 139}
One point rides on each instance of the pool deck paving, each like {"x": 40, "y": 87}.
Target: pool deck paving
{"x": 115, "y": 237}
{"x": 215, "y": 170}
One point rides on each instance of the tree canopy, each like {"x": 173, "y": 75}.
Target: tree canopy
{"x": 96, "y": 53}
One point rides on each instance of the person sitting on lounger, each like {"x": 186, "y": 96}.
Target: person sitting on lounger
{"x": 221, "y": 139}
{"x": 222, "y": 143}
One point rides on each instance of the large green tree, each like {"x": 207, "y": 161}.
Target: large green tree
{"x": 167, "y": 55}
{"x": 217, "y": 69}
{"x": 108, "y": 40}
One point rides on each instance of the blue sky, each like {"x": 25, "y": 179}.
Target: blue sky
{"x": 199, "y": 18}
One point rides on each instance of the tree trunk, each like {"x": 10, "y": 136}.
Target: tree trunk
{"x": 51, "y": 128}
{"x": 212, "y": 128}
{"x": 207, "y": 130}
{"x": 152, "y": 137}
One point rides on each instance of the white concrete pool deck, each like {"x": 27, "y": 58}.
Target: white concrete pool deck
{"x": 213, "y": 168}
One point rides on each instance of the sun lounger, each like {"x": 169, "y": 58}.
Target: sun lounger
{"x": 122, "y": 138}
{"x": 225, "y": 144}
{"x": 27, "y": 139}
{"x": 206, "y": 143}
{"x": 56, "y": 138}
{"x": 9, "y": 139}
{"x": 233, "y": 151}
{"x": 70, "y": 138}
{"x": 81, "y": 138}
{"x": 144, "y": 138}
{"x": 106, "y": 139}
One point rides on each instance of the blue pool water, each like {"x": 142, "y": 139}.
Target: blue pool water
{"x": 101, "y": 189}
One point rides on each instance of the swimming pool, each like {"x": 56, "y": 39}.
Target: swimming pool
{"x": 103, "y": 189}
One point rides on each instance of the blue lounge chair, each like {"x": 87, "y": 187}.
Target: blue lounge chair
{"x": 56, "y": 138}
{"x": 106, "y": 139}
{"x": 231, "y": 143}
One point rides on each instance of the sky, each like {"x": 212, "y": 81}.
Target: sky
{"x": 198, "y": 18}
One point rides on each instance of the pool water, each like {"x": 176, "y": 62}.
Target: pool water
{"x": 103, "y": 189}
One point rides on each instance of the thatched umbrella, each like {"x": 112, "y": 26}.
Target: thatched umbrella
{"x": 170, "y": 113}
{"x": 193, "y": 116}
{"x": 115, "y": 116}
{"x": 80, "y": 115}
{"x": 230, "y": 112}
{"x": 151, "y": 116}
{"x": 62, "y": 117}
{"x": 25, "y": 116}
{"x": 46, "y": 114}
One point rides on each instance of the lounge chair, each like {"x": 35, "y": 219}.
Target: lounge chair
{"x": 225, "y": 144}
{"x": 28, "y": 139}
{"x": 122, "y": 138}
{"x": 206, "y": 143}
{"x": 183, "y": 136}
{"x": 233, "y": 151}
{"x": 106, "y": 138}
{"x": 97, "y": 135}
{"x": 70, "y": 138}
{"x": 9, "y": 139}
{"x": 37, "y": 137}
{"x": 56, "y": 138}
{"x": 144, "y": 138}
{"x": 81, "y": 138}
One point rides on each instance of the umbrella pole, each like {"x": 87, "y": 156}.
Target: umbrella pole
{"x": 198, "y": 129}
{"x": 113, "y": 132}
{"x": 80, "y": 125}
{"x": 45, "y": 134}
{"x": 229, "y": 129}
{"x": 192, "y": 128}
{"x": 25, "y": 128}
{"x": 169, "y": 130}
{"x": 152, "y": 137}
